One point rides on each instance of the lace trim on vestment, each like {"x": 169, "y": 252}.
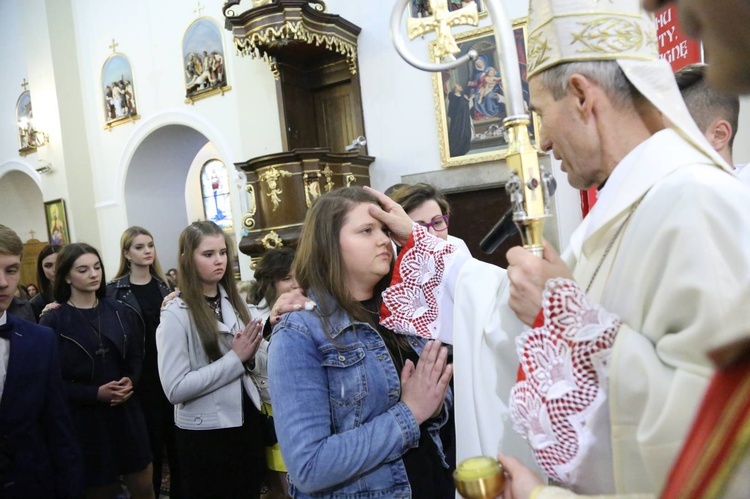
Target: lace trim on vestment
{"x": 563, "y": 377}
{"x": 410, "y": 304}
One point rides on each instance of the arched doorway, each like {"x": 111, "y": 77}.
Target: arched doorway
{"x": 155, "y": 185}
{"x": 21, "y": 200}
{"x": 162, "y": 189}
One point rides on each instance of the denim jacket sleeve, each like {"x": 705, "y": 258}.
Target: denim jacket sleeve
{"x": 182, "y": 381}
{"x": 316, "y": 458}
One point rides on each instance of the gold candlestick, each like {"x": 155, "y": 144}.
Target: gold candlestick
{"x": 479, "y": 478}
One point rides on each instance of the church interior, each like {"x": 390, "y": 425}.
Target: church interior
{"x": 105, "y": 148}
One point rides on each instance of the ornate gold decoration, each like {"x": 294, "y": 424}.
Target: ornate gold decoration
{"x": 609, "y": 35}
{"x": 207, "y": 93}
{"x": 254, "y": 263}
{"x": 350, "y": 179}
{"x": 538, "y": 51}
{"x": 328, "y": 174}
{"x": 441, "y": 22}
{"x": 248, "y": 220}
{"x": 255, "y": 42}
{"x": 312, "y": 188}
{"x": 272, "y": 241}
{"x": 271, "y": 178}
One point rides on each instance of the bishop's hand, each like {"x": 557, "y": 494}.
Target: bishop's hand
{"x": 528, "y": 276}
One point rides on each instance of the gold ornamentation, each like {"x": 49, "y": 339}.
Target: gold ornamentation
{"x": 538, "y": 51}
{"x": 312, "y": 188}
{"x": 207, "y": 93}
{"x": 609, "y": 35}
{"x": 253, "y": 43}
{"x": 248, "y": 220}
{"x": 272, "y": 241}
{"x": 271, "y": 178}
{"x": 350, "y": 179}
{"x": 328, "y": 174}
{"x": 441, "y": 22}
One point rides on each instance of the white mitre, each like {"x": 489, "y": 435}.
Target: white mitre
{"x": 563, "y": 31}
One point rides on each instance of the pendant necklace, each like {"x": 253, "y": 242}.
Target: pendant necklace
{"x": 102, "y": 350}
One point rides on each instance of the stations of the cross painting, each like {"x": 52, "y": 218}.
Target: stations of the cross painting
{"x": 441, "y": 21}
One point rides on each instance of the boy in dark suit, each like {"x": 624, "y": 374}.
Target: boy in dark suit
{"x": 39, "y": 454}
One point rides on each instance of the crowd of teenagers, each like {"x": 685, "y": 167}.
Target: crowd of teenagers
{"x": 202, "y": 373}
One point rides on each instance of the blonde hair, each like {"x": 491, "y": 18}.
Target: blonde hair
{"x": 191, "y": 288}
{"x": 126, "y": 241}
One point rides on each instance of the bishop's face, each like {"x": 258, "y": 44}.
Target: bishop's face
{"x": 571, "y": 138}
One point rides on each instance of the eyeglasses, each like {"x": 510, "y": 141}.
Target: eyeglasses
{"x": 439, "y": 224}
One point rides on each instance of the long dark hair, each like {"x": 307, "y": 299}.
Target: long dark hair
{"x": 65, "y": 261}
{"x": 191, "y": 288}
{"x": 44, "y": 283}
{"x": 319, "y": 264}
{"x": 274, "y": 265}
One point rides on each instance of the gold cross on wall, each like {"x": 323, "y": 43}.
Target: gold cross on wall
{"x": 114, "y": 45}
{"x": 441, "y": 22}
{"x": 32, "y": 232}
{"x": 25, "y": 85}
{"x": 199, "y": 9}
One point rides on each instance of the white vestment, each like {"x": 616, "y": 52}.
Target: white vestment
{"x": 678, "y": 277}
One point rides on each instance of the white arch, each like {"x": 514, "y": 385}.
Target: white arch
{"x": 21, "y": 165}
{"x": 147, "y": 127}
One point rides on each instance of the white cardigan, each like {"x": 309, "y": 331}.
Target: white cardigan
{"x": 207, "y": 395}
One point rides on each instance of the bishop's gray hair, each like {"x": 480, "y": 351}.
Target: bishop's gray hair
{"x": 607, "y": 74}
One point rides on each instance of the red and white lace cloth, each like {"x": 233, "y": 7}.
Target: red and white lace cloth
{"x": 411, "y": 303}
{"x": 562, "y": 379}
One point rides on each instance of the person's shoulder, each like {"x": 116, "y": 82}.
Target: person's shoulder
{"x": 32, "y": 331}
{"x": 176, "y": 306}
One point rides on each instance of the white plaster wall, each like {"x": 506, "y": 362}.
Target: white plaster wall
{"x": 13, "y": 61}
{"x": 741, "y": 152}
{"x": 242, "y": 124}
{"x": 21, "y": 205}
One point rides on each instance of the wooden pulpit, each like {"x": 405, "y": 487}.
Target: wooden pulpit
{"x": 282, "y": 186}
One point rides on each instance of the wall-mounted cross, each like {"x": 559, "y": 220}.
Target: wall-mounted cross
{"x": 199, "y": 9}
{"x": 32, "y": 232}
{"x": 114, "y": 46}
{"x": 25, "y": 85}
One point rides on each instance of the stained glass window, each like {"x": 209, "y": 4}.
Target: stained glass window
{"x": 217, "y": 204}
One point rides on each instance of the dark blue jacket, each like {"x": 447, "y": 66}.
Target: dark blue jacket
{"x": 42, "y": 457}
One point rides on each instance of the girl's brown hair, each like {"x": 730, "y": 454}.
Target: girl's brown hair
{"x": 191, "y": 287}
{"x": 319, "y": 265}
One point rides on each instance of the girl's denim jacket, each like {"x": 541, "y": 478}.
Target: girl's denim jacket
{"x": 337, "y": 410}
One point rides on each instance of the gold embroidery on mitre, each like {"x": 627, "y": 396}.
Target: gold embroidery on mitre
{"x": 538, "y": 49}
{"x": 610, "y": 35}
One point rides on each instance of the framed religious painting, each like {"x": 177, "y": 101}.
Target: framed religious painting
{"x": 469, "y": 101}
{"x": 119, "y": 104}
{"x": 421, "y": 8}
{"x": 203, "y": 60}
{"x": 57, "y": 222}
